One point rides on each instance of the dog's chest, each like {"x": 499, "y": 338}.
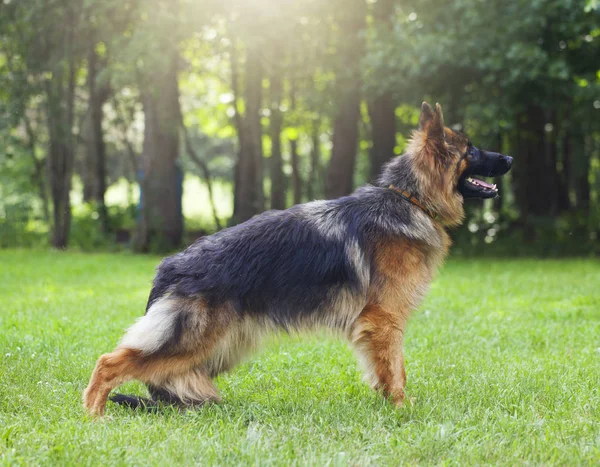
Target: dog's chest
{"x": 403, "y": 271}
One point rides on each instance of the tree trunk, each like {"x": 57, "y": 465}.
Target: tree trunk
{"x": 254, "y": 101}
{"x": 499, "y": 181}
{"x": 239, "y": 126}
{"x": 533, "y": 178}
{"x": 249, "y": 176}
{"x": 275, "y": 124}
{"x": 314, "y": 179}
{"x": 550, "y": 163}
{"x": 563, "y": 199}
{"x": 340, "y": 174}
{"x": 296, "y": 177}
{"x": 582, "y": 174}
{"x": 382, "y": 108}
{"x": 160, "y": 224}
{"x": 95, "y": 176}
{"x": 382, "y": 112}
{"x": 60, "y": 92}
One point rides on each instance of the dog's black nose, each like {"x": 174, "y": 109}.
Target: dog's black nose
{"x": 507, "y": 160}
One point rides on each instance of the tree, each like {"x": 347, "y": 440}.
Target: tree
{"x": 534, "y": 97}
{"x": 249, "y": 192}
{"x": 19, "y": 85}
{"x": 275, "y": 126}
{"x": 60, "y": 37}
{"x": 160, "y": 225}
{"x": 340, "y": 174}
{"x": 314, "y": 177}
{"x": 295, "y": 162}
{"x": 381, "y": 104}
{"x": 95, "y": 174}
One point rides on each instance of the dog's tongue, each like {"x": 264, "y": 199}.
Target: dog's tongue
{"x": 482, "y": 183}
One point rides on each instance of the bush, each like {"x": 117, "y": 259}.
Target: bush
{"x": 571, "y": 234}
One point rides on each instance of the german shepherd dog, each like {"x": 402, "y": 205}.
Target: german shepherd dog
{"x": 358, "y": 264}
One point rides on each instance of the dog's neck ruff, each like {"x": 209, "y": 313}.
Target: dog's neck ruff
{"x": 409, "y": 197}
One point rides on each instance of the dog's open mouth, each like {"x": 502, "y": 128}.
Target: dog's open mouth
{"x": 471, "y": 187}
{"x": 479, "y": 185}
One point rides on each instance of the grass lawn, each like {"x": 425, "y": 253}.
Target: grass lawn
{"x": 503, "y": 364}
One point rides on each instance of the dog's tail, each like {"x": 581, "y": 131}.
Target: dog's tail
{"x": 135, "y": 402}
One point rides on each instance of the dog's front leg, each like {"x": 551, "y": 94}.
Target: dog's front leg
{"x": 377, "y": 336}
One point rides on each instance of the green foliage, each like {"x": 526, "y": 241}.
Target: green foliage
{"x": 488, "y": 62}
{"x": 21, "y": 233}
{"x": 20, "y": 227}
{"x": 21, "y": 222}
{"x": 570, "y": 234}
{"x": 502, "y": 364}
{"x": 86, "y": 228}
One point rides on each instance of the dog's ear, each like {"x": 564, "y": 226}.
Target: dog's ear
{"x": 440, "y": 115}
{"x": 426, "y": 116}
{"x": 432, "y": 122}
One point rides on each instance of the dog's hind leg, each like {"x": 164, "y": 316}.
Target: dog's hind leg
{"x": 164, "y": 349}
{"x": 111, "y": 370}
{"x": 195, "y": 388}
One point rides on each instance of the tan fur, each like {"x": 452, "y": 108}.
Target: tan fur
{"x": 193, "y": 387}
{"x": 181, "y": 367}
{"x": 240, "y": 339}
{"x": 404, "y": 271}
{"x": 124, "y": 365}
{"x": 111, "y": 370}
{"x": 377, "y": 338}
{"x": 436, "y": 150}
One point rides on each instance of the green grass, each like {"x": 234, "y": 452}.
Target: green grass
{"x": 503, "y": 365}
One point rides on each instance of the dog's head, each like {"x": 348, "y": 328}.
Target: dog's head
{"x": 440, "y": 165}
{"x": 455, "y": 159}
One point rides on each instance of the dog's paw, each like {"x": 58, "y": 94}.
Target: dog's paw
{"x": 92, "y": 406}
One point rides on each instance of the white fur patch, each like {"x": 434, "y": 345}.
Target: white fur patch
{"x": 153, "y": 329}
